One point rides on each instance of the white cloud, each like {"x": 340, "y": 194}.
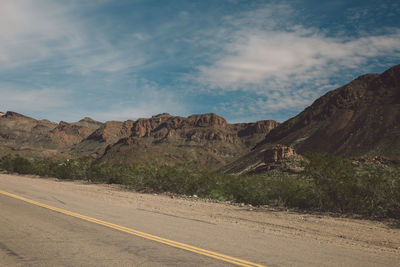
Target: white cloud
{"x": 281, "y": 58}
{"x": 41, "y": 31}
{"x": 105, "y": 59}
{"x": 264, "y": 52}
{"x": 31, "y": 31}
{"x": 151, "y": 100}
{"x": 37, "y": 100}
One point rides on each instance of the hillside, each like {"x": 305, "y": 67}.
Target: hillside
{"x": 361, "y": 118}
{"x": 41, "y": 138}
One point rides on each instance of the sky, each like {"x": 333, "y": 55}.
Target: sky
{"x": 243, "y": 60}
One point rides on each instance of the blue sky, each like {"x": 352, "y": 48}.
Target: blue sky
{"x": 244, "y": 60}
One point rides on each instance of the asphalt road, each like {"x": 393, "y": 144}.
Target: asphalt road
{"x": 31, "y": 235}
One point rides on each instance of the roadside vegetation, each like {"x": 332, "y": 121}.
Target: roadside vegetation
{"x": 328, "y": 183}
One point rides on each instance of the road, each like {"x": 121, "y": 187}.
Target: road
{"x": 31, "y": 235}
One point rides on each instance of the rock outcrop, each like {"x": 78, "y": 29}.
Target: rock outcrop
{"x": 279, "y": 153}
{"x": 268, "y": 158}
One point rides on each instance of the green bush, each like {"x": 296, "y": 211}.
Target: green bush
{"x": 339, "y": 186}
{"x": 279, "y": 189}
{"x": 328, "y": 183}
{"x": 335, "y": 182}
{"x": 379, "y": 193}
{"x": 16, "y": 164}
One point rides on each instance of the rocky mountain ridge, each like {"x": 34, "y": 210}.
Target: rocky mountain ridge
{"x": 206, "y": 138}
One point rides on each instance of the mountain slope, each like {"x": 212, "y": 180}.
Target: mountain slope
{"x": 361, "y": 118}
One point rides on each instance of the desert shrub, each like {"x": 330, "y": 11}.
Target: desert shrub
{"x": 340, "y": 186}
{"x": 176, "y": 179}
{"x": 328, "y": 183}
{"x": 45, "y": 168}
{"x": 17, "y": 164}
{"x": 278, "y": 189}
{"x": 167, "y": 179}
{"x": 379, "y": 193}
{"x": 70, "y": 169}
{"x": 7, "y": 163}
{"x": 335, "y": 182}
{"x": 106, "y": 173}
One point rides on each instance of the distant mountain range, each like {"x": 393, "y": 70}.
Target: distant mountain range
{"x": 360, "y": 119}
{"x": 201, "y": 140}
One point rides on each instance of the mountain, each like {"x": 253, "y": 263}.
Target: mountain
{"x": 67, "y": 134}
{"x": 24, "y": 135}
{"x": 203, "y": 140}
{"x": 40, "y": 138}
{"x": 361, "y": 118}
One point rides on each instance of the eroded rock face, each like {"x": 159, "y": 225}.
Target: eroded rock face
{"x": 279, "y": 153}
{"x": 207, "y": 120}
{"x": 258, "y": 127}
{"x": 282, "y": 157}
{"x": 145, "y": 127}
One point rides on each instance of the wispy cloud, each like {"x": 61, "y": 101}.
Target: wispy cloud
{"x": 32, "y": 31}
{"x": 283, "y": 58}
{"x": 48, "y": 32}
{"x": 30, "y": 101}
{"x": 368, "y": 15}
{"x": 284, "y": 64}
{"x": 151, "y": 100}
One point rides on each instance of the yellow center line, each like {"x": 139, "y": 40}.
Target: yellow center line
{"x": 158, "y": 239}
